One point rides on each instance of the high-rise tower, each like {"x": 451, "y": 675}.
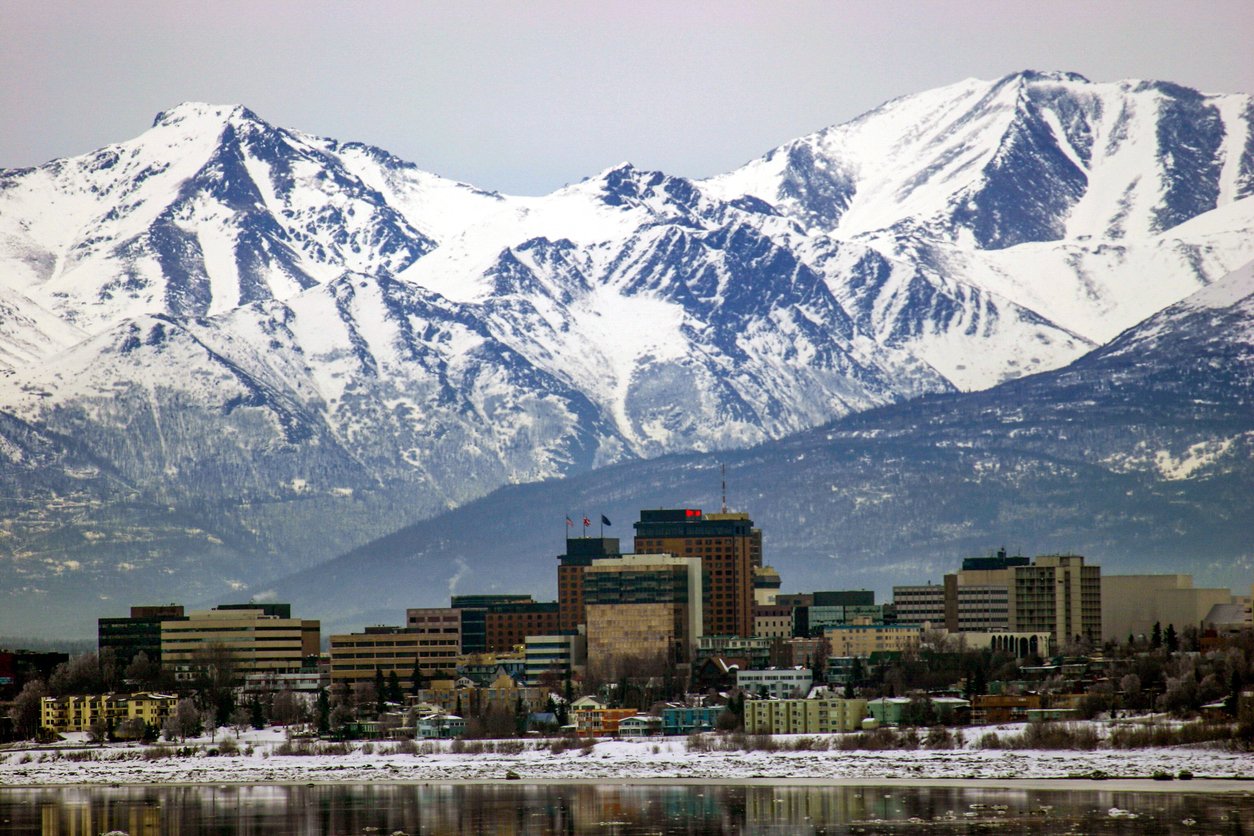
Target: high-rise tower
{"x": 729, "y": 547}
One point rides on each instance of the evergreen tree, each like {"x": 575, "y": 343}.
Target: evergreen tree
{"x": 1171, "y": 639}
{"x": 380, "y": 691}
{"x": 1156, "y": 636}
{"x": 395, "y": 694}
{"x": 418, "y": 682}
{"x": 1234, "y": 696}
{"x": 324, "y": 711}
{"x": 256, "y": 713}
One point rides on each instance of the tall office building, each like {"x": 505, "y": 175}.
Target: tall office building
{"x": 140, "y": 633}
{"x": 641, "y": 609}
{"x": 580, "y": 552}
{"x": 474, "y": 611}
{"x": 1058, "y": 594}
{"x": 730, "y": 549}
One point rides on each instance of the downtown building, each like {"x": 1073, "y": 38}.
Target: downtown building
{"x": 249, "y": 638}
{"x": 1056, "y": 594}
{"x": 136, "y": 634}
{"x": 730, "y": 550}
{"x": 580, "y": 553}
{"x": 644, "y": 612}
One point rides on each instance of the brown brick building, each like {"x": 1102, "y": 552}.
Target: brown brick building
{"x": 729, "y": 547}
{"x": 580, "y": 552}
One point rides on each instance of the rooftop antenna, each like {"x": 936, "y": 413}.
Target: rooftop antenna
{"x": 723, "y": 472}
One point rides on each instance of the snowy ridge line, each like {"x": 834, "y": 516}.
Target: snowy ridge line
{"x": 236, "y": 316}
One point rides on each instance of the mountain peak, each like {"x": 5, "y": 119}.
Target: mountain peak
{"x": 1026, "y": 76}
{"x": 196, "y": 112}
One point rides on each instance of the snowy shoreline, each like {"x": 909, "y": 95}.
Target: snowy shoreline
{"x": 659, "y": 760}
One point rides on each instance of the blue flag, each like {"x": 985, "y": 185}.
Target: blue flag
{"x": 605, "y": 520}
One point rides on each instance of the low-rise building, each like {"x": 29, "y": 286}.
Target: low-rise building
{"x": 780, "y": 683}
{"x": 755, "y": 649}
{"x": 685, "y": 719}
{"x": 804, "y": 716}
{"x": 863, "y": 639}
{"x": 464, "y": 698}
{"x": 553, "y": 658}
{"x": 598, "y": 721}
{"x": 79, "y": 712}
{"x": 894, "y": 711}
{"x": 440, "y": 726}
{"x": 306, "y": 683}
{"x": 994, "y": 709}
{"x": 640, "y": 725}
{"x": 151, "y": 708}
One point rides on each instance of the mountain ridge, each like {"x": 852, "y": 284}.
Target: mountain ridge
{"x": 288, "y": 344}
{"x": 914, "y": 486}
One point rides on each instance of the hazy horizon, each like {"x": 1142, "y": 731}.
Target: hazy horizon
{"x": 526, "y": 99}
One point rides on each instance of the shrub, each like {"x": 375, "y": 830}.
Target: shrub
{"x": 989, "y": 740}
{"x": 938, "y": 737}
{"x": 1052, "y": 735}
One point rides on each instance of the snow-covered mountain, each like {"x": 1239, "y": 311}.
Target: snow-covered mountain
{"x": 1000, "y": 217}
{"x": 284, "y": 345}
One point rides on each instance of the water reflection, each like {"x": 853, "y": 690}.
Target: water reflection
{"x": 608, "y": 809}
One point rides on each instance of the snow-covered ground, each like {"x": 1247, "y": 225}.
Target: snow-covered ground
{"x": 612, "y": 760}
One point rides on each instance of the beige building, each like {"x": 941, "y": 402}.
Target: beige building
{"x": 1018, "y": 644}
{"x": 439, "y": 631}
{"x": 977, "y": 596}
{"x": 250, "y": 640}
{"x": 816, "y": 716}
{"x": 772, "y": 622}
{"x": 1132, "y": 604}
{"x": 356, "y": 656}
{"x": 863, "y": 639}
{"x": 1060, "y": 595}
{"x": 921, "y": 605}
{"x": 642, "y": 608}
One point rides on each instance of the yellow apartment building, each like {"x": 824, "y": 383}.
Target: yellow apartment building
{"x": 817, "y": 716}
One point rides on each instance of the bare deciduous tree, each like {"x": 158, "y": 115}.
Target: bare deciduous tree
{"x": 26, "y": 709}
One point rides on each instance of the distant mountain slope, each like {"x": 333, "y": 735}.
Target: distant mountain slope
{"x": 1139, "y": 455}
{"x": 288, "y": 345}
{"x": 1068, "y": 198}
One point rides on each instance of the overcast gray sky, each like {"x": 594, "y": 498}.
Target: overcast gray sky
{"x": 523, "y": 97}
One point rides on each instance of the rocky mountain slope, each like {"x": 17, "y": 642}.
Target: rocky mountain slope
{"x": 1139, "y": 455}
{"x": 280, "y": 346}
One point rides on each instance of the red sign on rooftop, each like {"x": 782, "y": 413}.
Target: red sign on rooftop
{"x": 692, "y": 512}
